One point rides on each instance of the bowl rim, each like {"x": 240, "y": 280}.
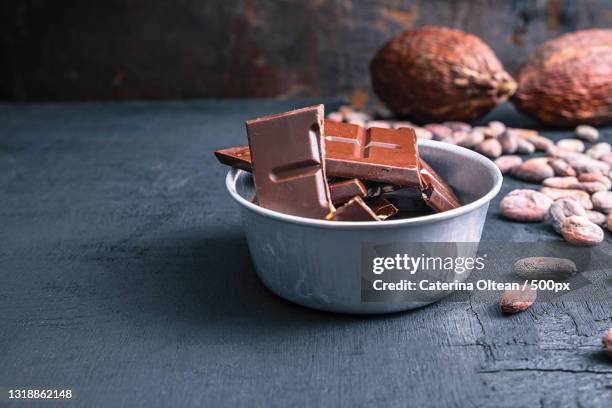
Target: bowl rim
{"x": 234, "y": 174}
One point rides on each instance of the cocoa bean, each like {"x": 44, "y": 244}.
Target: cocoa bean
{"x": 607, "y": 159}
{"x": 474, "y": 137}
{"x": 602, "y": 201}
{"x": 523, "y": 133}
{"x": 597, "y": 217}
{"x": 490, "y": 148}
{"x": 588, "y": 133}
{"x": 507, "y": 163}
{"x": 589, "y": 186}
{"x": 599, "y": 150}
{"x": 610, "y": 221}
{"x": 524, "y": 147}
{"x": 560, "y": 182}
{"x": 571, "y": 145}
{"x": 509, "y": 143}
{"x": 422, "y": 133}
{"x": 458, "y": 126}
{"x": 596, "y": 177}
{"x": 335, "y": 116}
{"x": 496, "y": 128}
{"x": 541, "y": 143}
{"x": 561, "y": 209}
{"x": 525, "y": 205}
{"x": 558, "y": 193}
{"x": 544, "y": 268}
{"x": 562, "y": 168}
{"x": 514, "y": 301}
{"x": 580, "y": 231}
{"x": 585, "y": 164}
{"x": 405, "y": 124}
{"x": 534, "y": 170}
{"x": 606, "y": 342}
{"x": 378, "y": 124}
{"x": 440, "y": 132}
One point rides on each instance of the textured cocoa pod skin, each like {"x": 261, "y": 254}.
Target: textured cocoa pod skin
{"x": 568, "y": 80}
{"x": 438, "y": 73}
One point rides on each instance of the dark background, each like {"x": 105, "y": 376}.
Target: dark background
{"x": 160, "y": 49}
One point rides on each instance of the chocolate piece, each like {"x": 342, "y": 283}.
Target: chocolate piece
{"x": 355, "y": 210}
{"x": 238, "y": 157}
{"x": 382, "y": 208}
{"x": 343, "y": 191}
{"x": 383, "y": 155}
{"x": 287, "y": 152}
{"x": 436, "y": 193}
{"x": 408, "y": 199}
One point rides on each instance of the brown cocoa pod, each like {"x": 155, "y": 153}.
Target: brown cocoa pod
{"x": 490, "y": 148}
{"x": 533, "y": 170}
{"x": 596, "y": 177}
{"x": 597, "y": 217}
{"x": 580, "y": 231}
{"x": 602, "y": 201}
{"x": 568, "y": 80}
{"x": 560, "y": 182}
{"x": 507, "y": 163}
{"x": 541, "y": 143}
{"x": 437, "y": 73}
{"x": 571, "y": 145}
{"x": 524, "y": 147}
{"x": 561, "y": 209}
{"x": 515, "y": 301}
{"x": 588, "y": 133}
{"x": 558, "y": 193}
{"x": 525, "y": 205}
{"x": 544, "y": 268}
{"x": 599, "y": 150}
{"x": 562, "y": 168}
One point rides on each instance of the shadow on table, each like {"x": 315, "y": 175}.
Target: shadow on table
{"x": 206, "y": 278}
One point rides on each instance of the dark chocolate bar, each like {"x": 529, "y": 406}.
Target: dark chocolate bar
{"x": 376, "y": 154}
{"x": 383, "y": 208}
{"x": 343, "y": 191}
{"x": 287, "y": 152}
{"x": 436, "y": 193}
{"x": 355, "y": 210}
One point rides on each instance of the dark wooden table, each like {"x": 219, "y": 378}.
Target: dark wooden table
{"x": 126, "y": 277}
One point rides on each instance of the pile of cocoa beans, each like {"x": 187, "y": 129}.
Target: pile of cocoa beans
{"x": 575, "y": 173}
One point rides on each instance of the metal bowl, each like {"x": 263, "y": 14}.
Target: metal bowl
{"x": 317, "y": 263}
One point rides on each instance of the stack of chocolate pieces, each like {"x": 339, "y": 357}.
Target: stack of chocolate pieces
{"x": 307, "y": 166}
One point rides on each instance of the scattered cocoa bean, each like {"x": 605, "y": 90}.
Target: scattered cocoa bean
{"x": 560, "y": 182}
{"x": 562, "y": 168}
{"x": 496, "y": 128}
{"x": 597, "y": 218}
{"x": 558, "y": 193}
{"x": 422, "y": 133}
{"x": 607, "y": 159}
{"x": 458, "y": 126}
{"x": 514, "y": 301}
{"x": 335, "y": 116}
{"x": 440, "y": 132}
{"x": 534, "y": 170}
{"x": 585, "y": 164}
{"x": 610, "y": 221}
{"x": 378, "y": 124}
{"x": 572, "y": 145}
{"x": 490, "y": 148}
{"x": 523, "y": 133}
{"x": 602, "y": 201}
{"x": 606, "y": 342}
{"x": 599, "y": 150}
{"x": 460, "y": 137}
{"x": 596, "y": 177}
{"x": 524, "y": 147}
{"x": 556, "y": 151}
{"x": 525, "y": 205}
{"x": 507, "y": 163}
{"x": 588, "y": 133}
{"x": 589, "y": 186}
{"x": 474, "y": 137}
{"x": 580, "y": 231}
{"x": 509, "y": 142}
{"x": 561, "y": 209}
{"x": 541, "y": 143}
{"x": 542, "y": 267}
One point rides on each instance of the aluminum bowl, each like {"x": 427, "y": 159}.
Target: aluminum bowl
{"x": 317, "y": 263}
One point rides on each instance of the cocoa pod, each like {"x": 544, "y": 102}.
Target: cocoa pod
{"x": 438, "y": 73}
{"x": 534, "y": 170}
{"x": 588, "y": 133}
{"x": 514, "y": 301}
{"x": 562, "y": 168}
{"x": 599, "y": 150}
{"x": 568, "y": 80}
{"x": 580, "y": 231}
{"x": 571, "y": 145}
{"x": 597, "y": 217}
{"x": 544, "y": 268}
{"x": 525, "y": 205}
{"x": 558, "y": 193}
{"x": 490, "y": 148}
{"x": 602, "y": 201}
{"x": 507, "y": 163}
{"x": 561, "y": 209}
{"x": 560, "y": 182}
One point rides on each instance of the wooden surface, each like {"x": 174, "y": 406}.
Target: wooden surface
{"x": 126, "y": 277}
{"x": 120, "y": 49}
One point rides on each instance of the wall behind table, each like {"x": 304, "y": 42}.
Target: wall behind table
{"x": 151, "y": 49}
